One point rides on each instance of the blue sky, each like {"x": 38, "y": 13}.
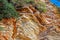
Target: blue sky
{"x": 55, "y": 2}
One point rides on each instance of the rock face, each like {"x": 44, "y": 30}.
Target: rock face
{"x": 25, "y": 28}
{"x": 52, "y": 24}
{"x": 32, "y": 25}
{"x": 29, "y": 27}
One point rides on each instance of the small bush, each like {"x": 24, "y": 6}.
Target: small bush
{"x": 39, "y": 5}
{"x": 7, "y": 10}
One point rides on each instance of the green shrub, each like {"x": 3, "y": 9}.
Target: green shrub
{"x": 39, "y": 5}
{"x": 7, "y": 10}
{"x": 1, "y": 28}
